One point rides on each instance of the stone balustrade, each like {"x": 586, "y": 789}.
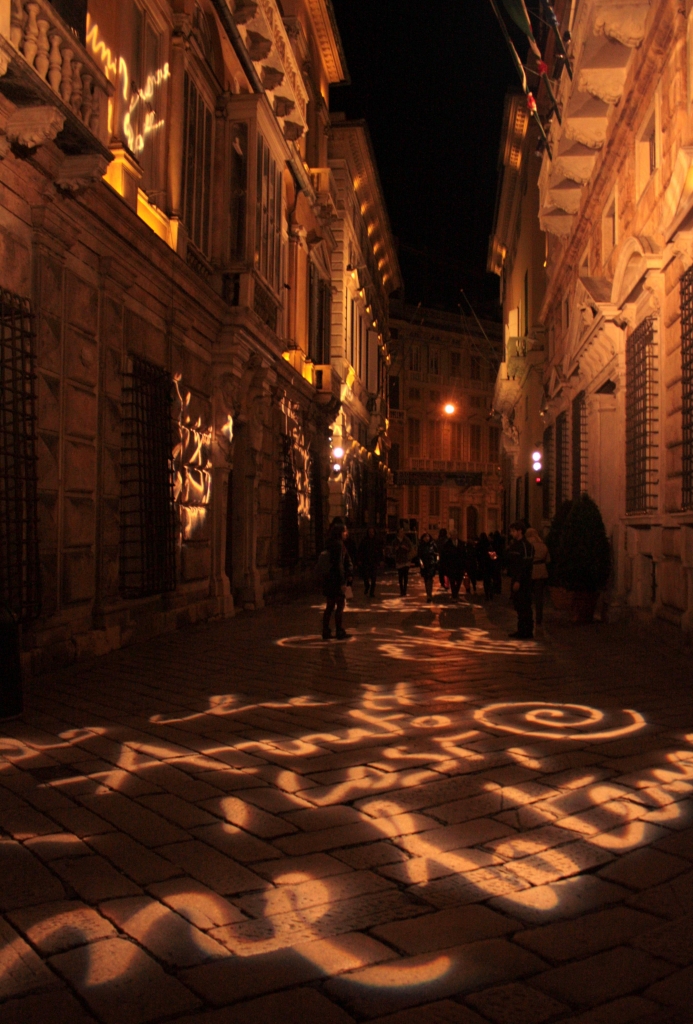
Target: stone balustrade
{"x": 59, "y": 59}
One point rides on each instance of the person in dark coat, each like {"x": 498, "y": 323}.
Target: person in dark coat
{"x": 485, "y": 564}
{"x": 404, "y": 551}
{"x": 454, "y": 560}
{"x": 472, "y": 568}
{"x": 369, "y": 557}
{"x": 427, "y": 555}
{"x": 440, "y": 544}
{"x": 520, "y": 562}
{"x": 338, "y": 577}
{"x": 498, "y": 549}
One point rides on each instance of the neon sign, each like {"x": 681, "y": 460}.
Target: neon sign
{"x": 116, "y": 70}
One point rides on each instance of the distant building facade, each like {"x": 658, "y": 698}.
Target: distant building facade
{"x": 175, "y": 340}
{"x": 444, "y": 449}
{"x": 616, "y": 311}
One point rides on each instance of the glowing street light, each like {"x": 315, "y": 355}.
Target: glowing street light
{"x": 337, "y": 468}
{"x": 338, "y": 453}
{"x": 449, "y": 408}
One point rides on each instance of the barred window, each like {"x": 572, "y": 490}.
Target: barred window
{"x": 19, "y": 560}
{"x": 642, "y": 419}
{"x": 268, "y": 217}
{"x": 197, "y": 166}
{"x": 687, "y": 386}
{"x": 561, "y": 459}
{"x": 579, "y": 437}
{"x": 547, "y": 479}
{"x": 147, "y": 509}
{"x": 320, "y": 317}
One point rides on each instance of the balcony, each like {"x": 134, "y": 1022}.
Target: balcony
{"x": 327, "y": 385}
{"x": 325, "y": 188}
{"x": 59, "y": 92}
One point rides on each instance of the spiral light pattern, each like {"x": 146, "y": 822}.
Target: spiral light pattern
{"x": 541, "y": 720}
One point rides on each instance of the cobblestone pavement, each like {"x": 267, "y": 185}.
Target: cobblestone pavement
{"x": 242, "y": 824}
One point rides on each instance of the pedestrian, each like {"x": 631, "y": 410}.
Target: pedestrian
{"x": 454, "y": 558}
{"x": 472, "y": 568}
{"x": 440, "y": 544}
{"x": 403, "y": 555}
{"x": 336, "y": 580}
{"x": 497, "y": 557}
{"x": 540, "y": 572}
{"x": 520, "y": 562}
{"x": 428, "y": 562}
{"x": 369, "y": 556}
{"x": 485, "y": 564}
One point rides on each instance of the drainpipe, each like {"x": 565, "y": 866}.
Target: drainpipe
{"x": 226, "y": 18}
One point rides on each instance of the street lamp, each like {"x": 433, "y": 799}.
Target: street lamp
{"x": 449, "y": 408}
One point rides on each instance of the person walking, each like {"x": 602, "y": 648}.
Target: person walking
{"x": 485, "y": 565}
{"x": 428, "y": 562}
{"x": 454, "y": 559}
{"x": 369, "y": 556}
{"x": 403, "y": 556}
{"x": 520, "y": 562}
{"x": 336, "y": 580}
{"x": 440, "y": 544}
{"x": 497, "y": 557}
{"x": 540, "y": 573}
{"x": 472, "y": 568}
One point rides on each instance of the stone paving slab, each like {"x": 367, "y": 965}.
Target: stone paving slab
{"x": 429, "y": 822}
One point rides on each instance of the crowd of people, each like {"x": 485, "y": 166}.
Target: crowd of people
{"x": 454, "y": 562}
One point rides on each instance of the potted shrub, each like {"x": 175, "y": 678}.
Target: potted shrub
{"x": 561, "y": 598}
{"x": 583, "y": 557}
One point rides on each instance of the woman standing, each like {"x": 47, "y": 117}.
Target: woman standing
{"x": 454, "y": 559}
{"x": 540, "y": 573}
{"x": 428, "y": 562}
{"x": 336, "y": 581}
{"x": 403, "y": 555}
{"x": 369, "y": 557}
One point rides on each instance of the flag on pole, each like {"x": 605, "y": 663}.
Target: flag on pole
{"x": 518, "y": 12}
{"x": 553, "y": 21}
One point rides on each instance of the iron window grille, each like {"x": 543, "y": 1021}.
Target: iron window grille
{"x": 547, "y": 479}
{"x": 147, "y": 507}
{"x": 561, "y": 460}
{"x": 19, "y": 554}
{"x": 642, "y": 420}
{"x": 579, "y": 439}
{"x": 687, "y": 386}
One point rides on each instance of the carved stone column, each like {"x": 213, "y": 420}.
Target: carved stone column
{"x": 179, "y": 44}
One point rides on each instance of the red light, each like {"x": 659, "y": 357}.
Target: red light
{"x": 538, "y": 480}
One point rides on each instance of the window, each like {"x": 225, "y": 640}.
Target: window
{"x": 642, "y": 419}
{"x": 268, "y": 250}
{"x": 414, "y": 394}
{"x": 547, "y": 478}
{"x": 456, "y": 442}
{"x": 414, "y": 359}
{"x": 434, "y": 501}
{"x": 475, "y": 442}
{"x": 394, "y": 392}
{"x": 147, "y": 510}
{"x": 238, "y": 171}
{"x": 414, "y": 437}
{"x": 197, "y": 167}
{"x": 475, "y": 368}
{"x": 579, "y": 437}
{"x": 434, "y": 397}
{"x": 687, "y": 386}
{"x": 609, "y": 228}
{"x": 455, "y": 364}
{"x": 525, "y": 305}
{"x": 393, "y": 461}
{"x": 413, "y": 500}
{"x": 646, "y": 152}
{"x": 493, "y": 444}
{"x": 562, "y": 458}
{"x": 19, "y": 561}
{"x": 352, "y": 331}
{"x": 144, "y": 117}
{"x": 433, "y": 361}
{"x": 435, "y": 439}
{"x": 319, "y": 317}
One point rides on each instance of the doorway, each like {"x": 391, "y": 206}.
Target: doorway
{"x": 454, "y": 518}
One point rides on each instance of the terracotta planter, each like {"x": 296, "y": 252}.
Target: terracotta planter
{"x": 584, "y": 603}
{"x": 561, "y": 599}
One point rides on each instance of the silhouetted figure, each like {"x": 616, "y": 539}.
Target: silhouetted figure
{"x": 403, "y": 555}
{"x": 337, "y": 579}
{"x": 520, "y": 561}
{"x": 454, "y": 559}
{"x": 540, "y": 572}
{"x": 369, "y": 557}
{"x": 485, "y": 564}
{"x": 428, "y": 562}
{"x": 440, "y": 543}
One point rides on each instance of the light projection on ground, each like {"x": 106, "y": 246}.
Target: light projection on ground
{"x": 560, "y": 721}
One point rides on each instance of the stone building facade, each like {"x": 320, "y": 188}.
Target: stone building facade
{"x": 169, "y": 222}
{"x": 616, "y": 205}
{"x": 444, "y": 450}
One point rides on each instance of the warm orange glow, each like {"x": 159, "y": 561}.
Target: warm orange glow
{"x": 449, "y": 408}
{"x": 558, "y": 721}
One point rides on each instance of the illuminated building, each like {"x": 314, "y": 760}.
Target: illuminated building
{"x": 170, "y": 254}
{"x": 615, "y": 313}
{"x": 445, "y": 464}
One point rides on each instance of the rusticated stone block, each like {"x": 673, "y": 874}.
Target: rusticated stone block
{"x": 110, "y": 572}
{"x": 82, "y": 306}
{"x": 112, "y": 323}
{"x": 81, "y": 356}
{"x": 47, "y": 452}
{"x": 673, "y": 494}
{"x": 48, "y": 521}
{"x": 110, "y": 522}
{"x": 80, "y": 521}
{"x": 80, "y": 412}
{"x": 196, "y": 562}
{"x": 672, "y": 584}
{"x": 49, "y": 581}
{"x": 80, "y": 466}
{"x": 48, "y": 391}
{"x": 111, "y": 471}
{"x": 15, "y": 260}
{"x": 78, "y": 576}
{"x": 111, "y": 421}
{"x": 112, "y": 378}
{"x": 49, "y": 343}
{"x": 143, "y": 339}
{"x": 195, "y": 372}
{"x": 51, "y": 291}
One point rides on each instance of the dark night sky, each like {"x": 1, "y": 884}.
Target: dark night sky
{"x": 430, "y": 77}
